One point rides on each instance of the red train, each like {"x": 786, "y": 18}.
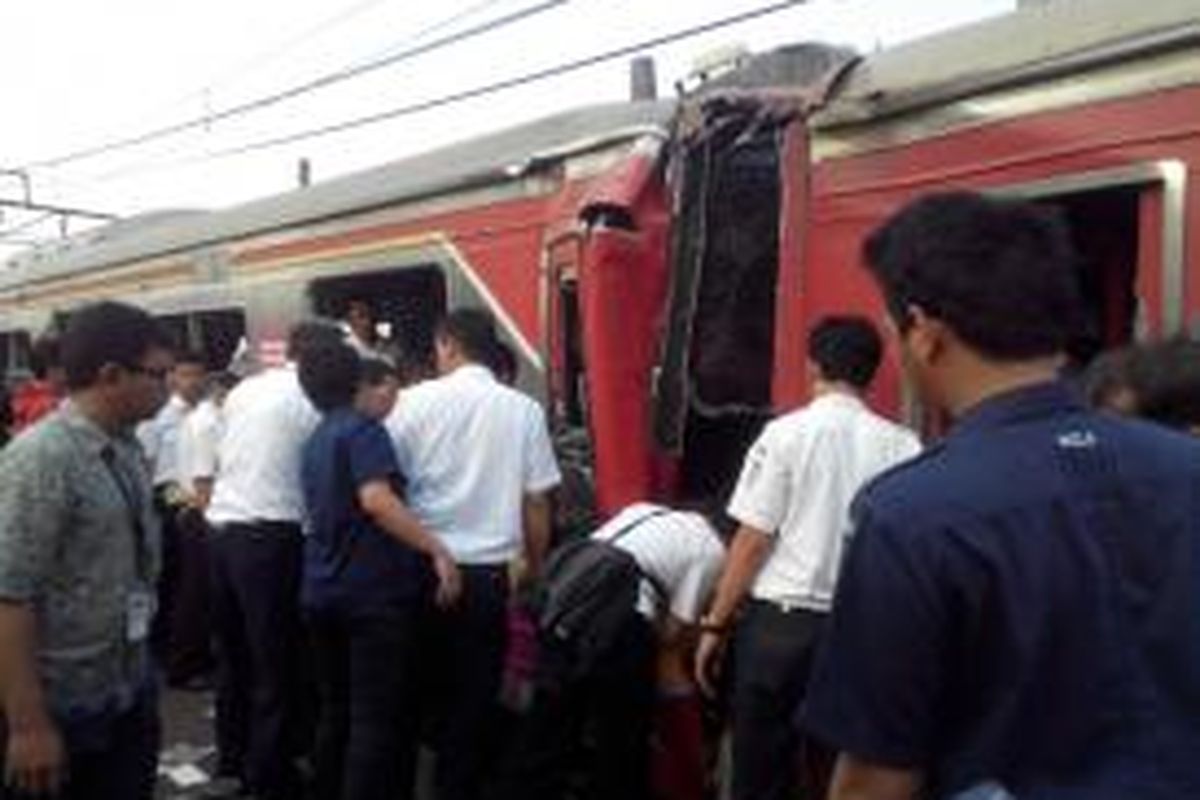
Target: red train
{"x": 655, "y": 264}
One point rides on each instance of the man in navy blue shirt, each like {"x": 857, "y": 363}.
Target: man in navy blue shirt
{"x": 367, "y": 573}
{"x": 1019, "y": 613}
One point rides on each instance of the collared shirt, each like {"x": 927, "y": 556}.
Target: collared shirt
{"x": 471, "y": 448}
{"x": 797, "y": 484}
{"x": 160, "y": 440}
{"x": 678, "y": 550}
{"x": 267, "y": 419}
{"x": 1021, "y": 607}
{"x": 196, "y": 452}
{"x": 350, "y": 563}
{"x": 69, "y": 549}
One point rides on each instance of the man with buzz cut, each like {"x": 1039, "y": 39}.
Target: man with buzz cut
{"x": 792, "y": 502}
{"x": 1019, "y": 613}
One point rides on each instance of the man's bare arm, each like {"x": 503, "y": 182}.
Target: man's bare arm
{"x": 537, "y": 523}
{"x": 35, "y": 761}
{"x": 855, "y": 779}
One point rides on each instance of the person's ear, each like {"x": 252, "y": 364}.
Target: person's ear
{"x": 926, "y": 336}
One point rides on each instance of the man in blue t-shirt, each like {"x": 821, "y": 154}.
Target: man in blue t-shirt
{"x": 369, "y": 566}
{"x": 1019, "y": 613}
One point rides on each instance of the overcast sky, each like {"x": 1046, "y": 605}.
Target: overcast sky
{"x": 77, "y": 73}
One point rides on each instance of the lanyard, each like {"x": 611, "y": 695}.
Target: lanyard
{"x": 133, "y": 507}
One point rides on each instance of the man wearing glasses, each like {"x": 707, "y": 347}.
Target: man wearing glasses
{"x": 79, "y": 558}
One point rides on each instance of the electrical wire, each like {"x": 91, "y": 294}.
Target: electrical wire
{"x": 472, "y": 93}
{"x": 321, "y": 82}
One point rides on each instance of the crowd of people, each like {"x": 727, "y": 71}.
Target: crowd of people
{"x": 363, "y": 561}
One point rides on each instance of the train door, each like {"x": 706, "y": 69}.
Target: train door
{"x": 714, "y": 386}
{"x": 567, "y": 386}
{"x": 403, "y": 306}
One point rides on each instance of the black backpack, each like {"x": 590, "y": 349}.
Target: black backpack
{"x": 587, "y": 593}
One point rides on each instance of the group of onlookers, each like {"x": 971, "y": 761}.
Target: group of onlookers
{"x": 1012, "y": 612}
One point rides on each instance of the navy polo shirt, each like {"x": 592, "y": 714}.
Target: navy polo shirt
{"x": 350, "y": 563}
{"x": 1021, "y": 605}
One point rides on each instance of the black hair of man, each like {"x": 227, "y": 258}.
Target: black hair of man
{"x": 999, "y": 273}
{"x": 105, "y": 333}
{"x": 375, "y": 371}
{"x": 312, "y": 333}
{"x": 474, "y": 331}
{"x": 44, "y": 355}
{"x": 846, "y": 349}
{"x": 329, "y": 373}
{"x": 504, "y": 363}
{"x": 1109, "y": 375}
{"x": 1166, "y": 378}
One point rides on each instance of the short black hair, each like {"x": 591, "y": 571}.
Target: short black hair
{"x": 1110, "y": 374}
{"x": 504, "y": 363}
{"x": 312, "y": 333}
{"x": 329, "y": 373}
{"x": 846, "y": 348}
{"x": 474, "y": 330}
{"x": 1000, "y": 273}
{"x": 44, "y": 355}
{"x": 107, "y": 333}
{"x": 375, "y": 371}
{"x": 1165, "y": 381}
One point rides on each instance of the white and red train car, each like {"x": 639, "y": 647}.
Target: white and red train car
{"x": 655, "y": 264}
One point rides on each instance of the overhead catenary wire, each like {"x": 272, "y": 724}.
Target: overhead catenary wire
{"x": 290, "y": 93}
{"x": 474, "y": 92}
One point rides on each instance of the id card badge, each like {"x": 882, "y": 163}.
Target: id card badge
{"x": 139, "y": 610}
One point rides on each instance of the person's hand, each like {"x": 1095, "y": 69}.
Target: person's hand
{"x": 35, "y": 762}
{"x": 710, "y": 650}
{"x": 449, "y": 587}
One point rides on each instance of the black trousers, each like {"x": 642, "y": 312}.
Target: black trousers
{"x": 188, "y": 653}
{"x": 367, "y": 731}
{"x": 773, "y": 652}
{"x": 111, "y": 755}
{"x": 462, "y": 668}
{"x": 256, "y": 626}
{"x": 596, "y": 728}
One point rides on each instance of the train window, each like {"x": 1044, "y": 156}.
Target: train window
{"x": 14, "y": 355}
{"x": 215, "y": 333}
{"x": 404, "y": 304}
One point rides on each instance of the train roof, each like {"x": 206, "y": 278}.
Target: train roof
{"x": 1025, "y": 46}
{"x": 472, "y": 163}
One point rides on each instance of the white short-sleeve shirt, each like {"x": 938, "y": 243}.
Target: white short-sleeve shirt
{"x": 679, "y": 550}
{"x": 797, "y": 483}
{"x": 199, "y": 437}
{"x": 267, "y": 420}
{"x": 470, "y": 449}
{"x": 159, "y": 437}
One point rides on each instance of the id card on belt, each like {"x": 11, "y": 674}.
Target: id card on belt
{"x": 139, "y": 611}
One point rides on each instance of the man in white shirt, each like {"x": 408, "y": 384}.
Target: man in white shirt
{"x": 679, "y": 554}
{"x": 792, "y": 502}
{"x": 256, "y": 552}
{"x": 479, "y": 465}
{"x": 191, "y": 658}
{"x": 159, "y": 438}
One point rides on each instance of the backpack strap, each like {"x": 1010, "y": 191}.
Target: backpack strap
{"x": 655, "y": 584}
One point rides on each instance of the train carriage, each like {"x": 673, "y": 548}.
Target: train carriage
{"x": 655, "y": 264}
